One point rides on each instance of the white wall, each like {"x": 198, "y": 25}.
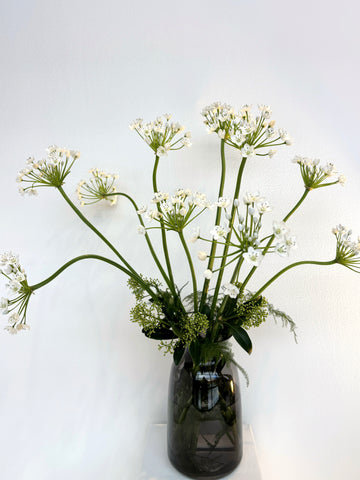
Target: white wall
{"x": 78, "y": 390}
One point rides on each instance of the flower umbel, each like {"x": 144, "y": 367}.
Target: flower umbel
{"x": 99, "y": 187}
{"x": 177, "y": 211}
{"x": 243, "y": 130}
{"x": 48, "y": 172}
{"x": 17, "y": 285}
{"x": 162, "y": 135}
{"x": 347, "y": 250}
{"x": 314, "y": 175}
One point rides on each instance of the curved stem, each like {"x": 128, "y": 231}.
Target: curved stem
{"x": 134, "y": 274}
{"x": 305, "y": 262}
{"x": 74, "y": 260}
{"x": 147, "y": 238}
{"x": 163, "y": 231}
{"x": 271, "y": 239}
{"x": 304, "y": 195}
{"x": 228, "y": 238}
{"x": 217, "y": 222}
{"x": 193, "y": 276}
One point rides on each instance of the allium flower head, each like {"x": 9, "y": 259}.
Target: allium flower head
{"x": 17, "y": 284}
{"x": 162, "y": 135}
{"x": 99, "y": 187}
{"x": 244, "y": 130}
{"x": 176, "y": 211}
{"x": 315, "y": 175}
{"x": 347, "y": 250}
{"x": 48, "y": 172}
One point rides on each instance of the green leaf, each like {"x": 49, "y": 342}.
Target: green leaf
{"x": 230, "y": 306}
{"x": 160, "y": 334}
{"x": 206, "y": 310}
{"x": 195, "y": 352}
{"x": 242, "y": 338}
{"x": 178, "y": 353}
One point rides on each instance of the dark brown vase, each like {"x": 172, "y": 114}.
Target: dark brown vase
{"x": 204, "y": 419}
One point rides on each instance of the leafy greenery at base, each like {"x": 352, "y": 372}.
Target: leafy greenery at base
{"x": 164, "y": 318}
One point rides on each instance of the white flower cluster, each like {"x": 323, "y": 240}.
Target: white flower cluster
{"x": 17, "y": 285}
{"x": 314, "y": 174}
{"x": 285, "y": 241}
{"x": 243, "y": 130}
{"x": 175, "y": 212}
{"x": 347, "y": 250}
{"x": 247, "y": 232}
{"x": 258, "y": 203}
{"x": 160, "y": 134}
{"x": 50, "y": 171}
{"x": 100, "y": 186}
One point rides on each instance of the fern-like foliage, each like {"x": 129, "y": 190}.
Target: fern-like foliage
{"x": 286, "y": 320}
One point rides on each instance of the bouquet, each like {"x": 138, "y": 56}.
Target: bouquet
{"x": 219, "y": 305}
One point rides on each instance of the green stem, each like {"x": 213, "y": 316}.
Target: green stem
{"x": 74, "y": 260}
{"x": 163, "y": 231}
{"x": 304, "y": 195}
{"x": 217, "y": 222}
{"x": 271, "y": 239}
{"x": 147, "y": 238}
{"x": 228, "y": 238}
{"x": 304, "y": 262}
{"x": 193, "y": 276}
{"x": 134, "y": 274}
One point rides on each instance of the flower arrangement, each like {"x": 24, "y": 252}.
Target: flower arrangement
{"x": 204, "y": 319}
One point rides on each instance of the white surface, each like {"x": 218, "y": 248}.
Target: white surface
{"x": 78, "y": 390}
{"x": 156, "y": 465}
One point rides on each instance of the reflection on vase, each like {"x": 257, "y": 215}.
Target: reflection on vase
{"x": 204, "y": 419}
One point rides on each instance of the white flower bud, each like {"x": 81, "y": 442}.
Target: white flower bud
{"x": 208, "y": 274}
{"x": 202, "y": 256}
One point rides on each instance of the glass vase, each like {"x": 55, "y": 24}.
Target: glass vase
{"x": 204, "y": 419}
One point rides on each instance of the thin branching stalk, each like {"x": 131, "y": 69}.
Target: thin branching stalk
{"x": 148, "y": 241}
{"x": 217, "y": 222}
{"x": 275, "y": 277}
{"x": 134, "y": 274}
{"x": 191, "y": 265}
{"x": 78, "y": 259}
{"x": 163, "y": 231}
{"x": 228, "y": 238}
{"x": 271, "y": 239}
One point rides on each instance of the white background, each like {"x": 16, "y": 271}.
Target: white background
{"x": 79, "y": 389}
